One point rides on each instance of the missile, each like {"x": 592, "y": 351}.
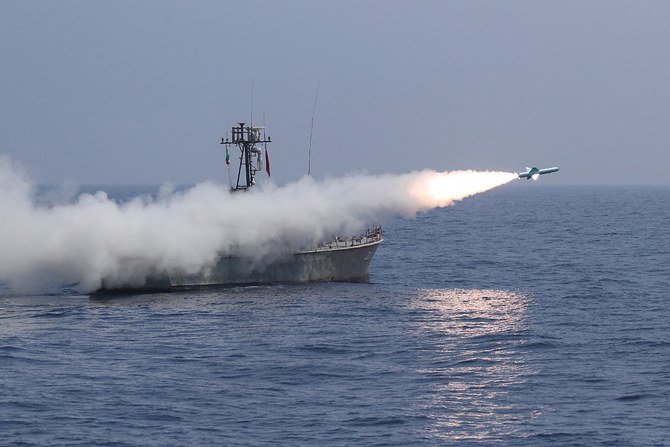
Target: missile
{"x": 534, "y": 173}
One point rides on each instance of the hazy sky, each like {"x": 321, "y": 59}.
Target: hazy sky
{"x": 115, "y": 92}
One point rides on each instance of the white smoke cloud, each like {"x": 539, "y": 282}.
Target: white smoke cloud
{"x": 94, "y": 238}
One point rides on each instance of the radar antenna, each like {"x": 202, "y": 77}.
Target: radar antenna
{"x": 311, "y": 129}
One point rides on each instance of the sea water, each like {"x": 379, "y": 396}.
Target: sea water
{"x": 529, "y": 315}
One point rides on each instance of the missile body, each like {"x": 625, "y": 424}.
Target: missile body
{"x": 534, "y": 173}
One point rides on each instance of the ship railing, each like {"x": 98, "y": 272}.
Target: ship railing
{"x": 370, "y": 236}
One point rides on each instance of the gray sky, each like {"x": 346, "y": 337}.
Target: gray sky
{"x": 141, "y": 91}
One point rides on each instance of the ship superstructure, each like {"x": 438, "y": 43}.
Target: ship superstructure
{"x": 253, "y": 145}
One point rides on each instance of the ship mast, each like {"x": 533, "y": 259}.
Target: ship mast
{"x": 249, "y": 141}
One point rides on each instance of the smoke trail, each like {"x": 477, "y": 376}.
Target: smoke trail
{"x": 95, "y": 238}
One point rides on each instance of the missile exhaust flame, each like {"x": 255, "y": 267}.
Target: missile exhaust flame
{"x": 441, "y": 189}
{"x": 94, "y": 237}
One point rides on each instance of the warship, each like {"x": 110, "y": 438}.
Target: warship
{"x": 336, "y": 260}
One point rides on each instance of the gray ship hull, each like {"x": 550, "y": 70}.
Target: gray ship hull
{"x": 343, "y": 261}
{"x": 346, "y": 264}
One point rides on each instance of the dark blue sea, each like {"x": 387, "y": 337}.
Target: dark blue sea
{"x": 530, "y": 315}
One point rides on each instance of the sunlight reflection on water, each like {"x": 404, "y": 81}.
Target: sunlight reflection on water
{"x": 477, "y": 361}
